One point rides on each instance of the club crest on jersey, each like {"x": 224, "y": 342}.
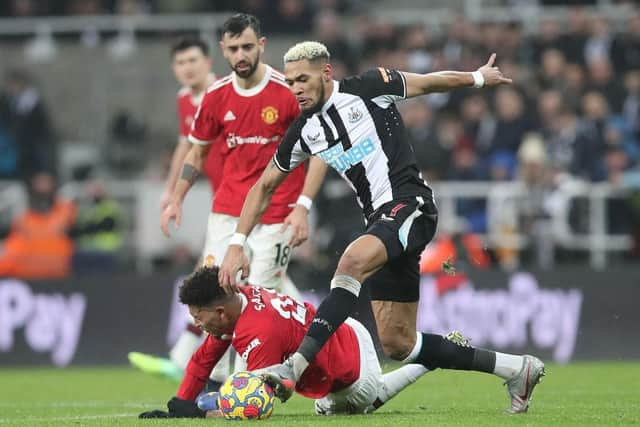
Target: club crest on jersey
{"x": 269, "y": 115}
{"x": 354, "y": 115}
{"x": 210, "y": 261}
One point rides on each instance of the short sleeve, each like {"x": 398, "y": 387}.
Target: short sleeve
{"x": 205, "y": 127}
{"x": 292, "y": 150}
{"x": 379, "y": 84}
{"x": 183, "y": 128}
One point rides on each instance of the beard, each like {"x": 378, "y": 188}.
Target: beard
{"x": 248, "y": 72}
{"x": 319, "y": 103}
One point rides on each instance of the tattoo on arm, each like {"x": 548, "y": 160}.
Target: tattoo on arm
{"x": 189, "y": 173}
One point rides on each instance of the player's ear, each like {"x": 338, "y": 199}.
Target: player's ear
{"x": 327, "y": 72}
{"x": 261, "y": 43}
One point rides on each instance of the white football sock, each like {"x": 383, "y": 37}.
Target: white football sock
{"x": 222, "y": 370}
{"x": 397, "y": 380}
{"x": 287, "y": 287}
{"x": 299, "y": 364}
{"x": 182, "y": 350}
{"x": 507, "y": 365}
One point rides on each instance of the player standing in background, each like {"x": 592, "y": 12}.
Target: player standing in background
{"x": 192, "y": 69}
{"x": 191, "y": 64}
{"x": 248, "y": 111}
{"x": 356, "y": 128}
{"x": 265, "y": 328}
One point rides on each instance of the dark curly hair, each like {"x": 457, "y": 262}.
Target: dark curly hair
{"x": 202, "y": 288}
{"x": 189, "y": 42}
{"x": 237, "y": 23}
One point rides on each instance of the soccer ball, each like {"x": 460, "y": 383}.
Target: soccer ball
{"x": 245, "y": 396}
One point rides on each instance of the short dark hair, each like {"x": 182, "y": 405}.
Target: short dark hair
{"x": 237, "y": 23}
{"x": 187, "y": 43}
{"x": 202, "y": 288}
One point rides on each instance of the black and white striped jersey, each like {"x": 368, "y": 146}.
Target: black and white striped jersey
{"x": 359, "y": 132}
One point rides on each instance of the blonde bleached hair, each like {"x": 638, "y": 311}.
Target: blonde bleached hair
{"x": 309, "y": 50}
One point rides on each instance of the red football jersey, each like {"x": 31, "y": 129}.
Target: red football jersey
{"x": 187, "y": 103}
{"x": 251, "y": 122}
{"x": 269, "y": 330}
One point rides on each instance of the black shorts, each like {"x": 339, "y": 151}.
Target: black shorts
{"x": 405, "y": 227}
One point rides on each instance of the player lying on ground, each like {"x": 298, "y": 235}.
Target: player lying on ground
{"x": 265, "y": 328}
{"x": 355, "y": 127}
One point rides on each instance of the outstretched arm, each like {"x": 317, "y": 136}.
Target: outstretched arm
{"x": 442, "y": 81}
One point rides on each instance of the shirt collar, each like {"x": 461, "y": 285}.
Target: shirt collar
{"x": 244, "y": 301}
{"x": 332, "y": 97}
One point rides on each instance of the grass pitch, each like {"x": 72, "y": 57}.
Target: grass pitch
{"x": 578, "y": 394}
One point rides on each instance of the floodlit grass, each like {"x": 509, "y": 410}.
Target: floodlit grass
{"x": 577, "y": 394}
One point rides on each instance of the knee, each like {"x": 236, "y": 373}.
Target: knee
{"x": 352, "y": 264}
{"x": 397, "y": 343}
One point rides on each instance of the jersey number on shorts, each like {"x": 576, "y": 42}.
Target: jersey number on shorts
{"x": 282, "y": 254}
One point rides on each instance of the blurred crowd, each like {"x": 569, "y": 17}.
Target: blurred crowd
{"x": 572, "y": 115}
{"x": 276, "y": 16}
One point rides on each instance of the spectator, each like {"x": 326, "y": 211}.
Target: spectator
{"x": 512, "y": 121}
{"x": 8, "y": 149}
{"x": 432, "y": 153}
{"x": 574, "y": 85}
{"x": 289, "y": 17}
{"x": 479, "y": 123}
{"x": 598, "y": 45}
{"x": 589, "y": 154}
{"x": 29, "y": 125}
{"x": 602, "y": 79}
{"x": 572, "y": 43}
{"x": 550, "y": 103}
{"x": 626, "y": 47}
{"x": 553, "y": 69}
{"x": 547, "y": 38}
{"x": 98, "y": 232}
{"x": 328, "y": 30}
{"x": 38, "y": 246}
{"x": 631, "y": 104}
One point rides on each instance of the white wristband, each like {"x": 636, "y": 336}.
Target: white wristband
{"x": 305, "y": 201}
{"x": 237, "y": 239}
{"x": 478, "y": 79}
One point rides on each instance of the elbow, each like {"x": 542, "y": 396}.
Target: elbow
{"x": 268, "y": 189}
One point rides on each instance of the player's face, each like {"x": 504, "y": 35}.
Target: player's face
{"x": 213, "y": 320}
{"x": 243, "y": 52}
{"x": 309, "y": 82}
{"x": 191, "y": 67}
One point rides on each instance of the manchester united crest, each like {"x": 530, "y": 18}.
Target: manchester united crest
{"x": 269, "y": 115}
